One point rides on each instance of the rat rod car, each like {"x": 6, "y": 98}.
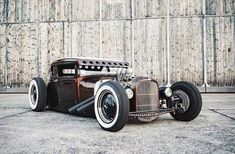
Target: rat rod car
{"x": 108, "y": 90}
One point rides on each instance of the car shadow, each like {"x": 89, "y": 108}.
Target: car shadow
{"x": 135, "y": 121}
{"x": 131, "y": 120}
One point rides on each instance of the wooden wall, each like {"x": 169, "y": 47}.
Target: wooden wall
{"x": 33, "y": 33}
{"x": 2, "y": 51}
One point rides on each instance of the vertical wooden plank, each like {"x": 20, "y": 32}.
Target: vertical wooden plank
{"x": 1, "y": 10}
{"x": 21, "y": 54}
{"x": 2, "y": 57}
{"x": 24, "y": 10}
{"x": 140, "y": 8}
{"x": 44, "y": 10}
{"x": 156, "y": 8}
{"x": 211, "y": 45}
{"x": 55, "y": 41}
{"x": 43, "y": 59}
{"x": 11, "y": 11}
{"x": 116, "y": 9}
{"x": 219, "y": 7}
{"x": 76, "y": 38}
{"x": 185, "y": 7}
{"x": 51, "y": 46}
{"x": 229, "y": 7}
{"x": 91, "y": 9}
{"x": 117, "y": 40}
{"x": 75, "y": 9}
{"x": 150, "y": 8}
{"x": 65, "y": 9}
{"x": 221, "y": 52}
{"x": 186, "y": 50}
{"x": 196, "y": 7}
{"x": 52, "y": 10}
{"x": 28, "y": 48}
{"x": 58, "y": 12}
{"x": 90, "y": 39}
{"x": 150, "y": 45}
{"x": 139, "y": 45}
{"x": 67, "y": 46}
{"x": 32, "y": 17}
{"x": 85, "y": 36}
{"x": 84, "y": 9}
{"x": 219, "y": 30}
{"x": 13, "y": 46}
{"x": 18, "y": 10}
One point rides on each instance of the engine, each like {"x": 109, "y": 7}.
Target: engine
{"x": 124, "y": 74}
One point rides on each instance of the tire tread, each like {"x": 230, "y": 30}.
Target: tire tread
{"x": 124, "y": 106}
{"x": 195, "y": 100}
{"x": 42, "y": 94}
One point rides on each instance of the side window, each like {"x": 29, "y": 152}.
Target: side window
{"x": 53, "y": 71}
{"x": 66, "y": 70}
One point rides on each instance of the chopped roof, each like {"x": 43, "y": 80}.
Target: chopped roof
{"x": 97, "y": 62}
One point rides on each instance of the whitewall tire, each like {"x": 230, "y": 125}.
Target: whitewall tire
{"x": 37, "y": 94}
{"x": 111, "y": 106}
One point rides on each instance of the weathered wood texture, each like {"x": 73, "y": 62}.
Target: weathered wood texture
{"x": 22, "y": 11}
{"x": 21, "y": 53}
{"x": 2, "y": 50}
{"x": 117, "y": 9}
{"x": 85, "y": 39}
{"x": 156, "y": 8}
{"x": 117, "y": 40}
{"x": 186, "y": 53}
{"x": 185, "y": 7}
{"x": 52, "y": 41}
{"x": 1, "y": 10}
{"x": 84, "y": 9}
{"x": 68, "y": 10}
{"x": 220, "y": 7}
{"x": 40, "y": 31}
{"x": 150, "y": 45}
{"x": 149, "y": 8}
{"x": 221, "y": 51}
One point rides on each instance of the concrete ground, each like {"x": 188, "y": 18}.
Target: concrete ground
{"x": 25, "y": 131}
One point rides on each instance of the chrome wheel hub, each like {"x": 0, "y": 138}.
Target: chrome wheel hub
{"x": 33, "y": 94}
{"x": 184, "y": 101}
{"x": 107, "y": 107}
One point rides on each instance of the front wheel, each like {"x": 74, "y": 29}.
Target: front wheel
{"x": 111, "y": 106}
{"x": 189, "y": 101}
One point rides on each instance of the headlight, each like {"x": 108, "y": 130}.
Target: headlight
{"x": 129, "y": 93}
{"x": 168, "y": 92}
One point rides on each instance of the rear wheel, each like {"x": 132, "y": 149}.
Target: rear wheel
{"x": 188, "y": 101}
{"x": 111, "y": 106}
{"x": 37, "y": 94}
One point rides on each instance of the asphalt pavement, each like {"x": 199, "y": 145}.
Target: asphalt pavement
{"x": 25, "y": 131}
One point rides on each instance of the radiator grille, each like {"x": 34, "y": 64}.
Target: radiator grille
{"x": 147, "y": 97}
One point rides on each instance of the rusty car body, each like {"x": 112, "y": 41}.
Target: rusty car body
{"x": 108, "y": 90}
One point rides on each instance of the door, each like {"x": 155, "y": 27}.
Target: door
{"x": 64, "y": 88}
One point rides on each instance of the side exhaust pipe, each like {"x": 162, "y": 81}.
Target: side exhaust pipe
{"x": 82, "y": 106}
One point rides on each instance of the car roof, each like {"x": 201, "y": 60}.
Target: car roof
{"x": 96, "y": 62}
